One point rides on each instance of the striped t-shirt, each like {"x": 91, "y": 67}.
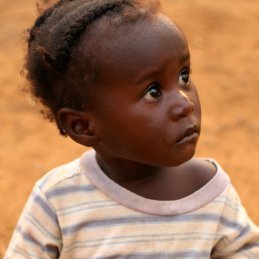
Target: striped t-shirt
{"x": 76, "y": 211}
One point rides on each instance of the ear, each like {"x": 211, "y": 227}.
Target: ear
{"x": 78, "y": 125}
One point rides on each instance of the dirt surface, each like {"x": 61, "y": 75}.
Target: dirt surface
{"x": 224, "y": 41}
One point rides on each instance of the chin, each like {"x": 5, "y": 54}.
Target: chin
{"x": 183, "y": 157}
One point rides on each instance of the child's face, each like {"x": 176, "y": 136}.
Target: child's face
{"x": 145, "y": 103}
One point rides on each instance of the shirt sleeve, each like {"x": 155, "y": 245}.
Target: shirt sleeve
{"x": 37, "y": 234}
{"x": 240, "y": 236}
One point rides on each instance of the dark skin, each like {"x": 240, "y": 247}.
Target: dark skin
{"x": 144, "y": 118}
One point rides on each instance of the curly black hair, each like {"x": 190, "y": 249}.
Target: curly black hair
{"x": 52, "y": 46}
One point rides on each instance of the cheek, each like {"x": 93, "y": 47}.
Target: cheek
{"x": 130, "y": 129}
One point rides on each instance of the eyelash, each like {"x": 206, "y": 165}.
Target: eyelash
{"x": 154, "y": 91}
{"x": 188, "y": 72}
{"x": 155, "y": 87}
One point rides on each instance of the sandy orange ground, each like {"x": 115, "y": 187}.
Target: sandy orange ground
{"x": 224, "y": 41}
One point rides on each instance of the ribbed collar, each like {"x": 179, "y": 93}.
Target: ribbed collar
{"x": 133, "y": 201}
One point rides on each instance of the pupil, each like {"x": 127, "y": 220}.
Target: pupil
{"x": 185, "y": 77}
{"x": 154, "y": 93}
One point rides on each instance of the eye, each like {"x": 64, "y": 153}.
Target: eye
{"x": 152, "y": 93}
{"x": 184, "y": 78}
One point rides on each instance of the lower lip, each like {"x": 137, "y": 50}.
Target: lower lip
{"x": 192, "y": 138}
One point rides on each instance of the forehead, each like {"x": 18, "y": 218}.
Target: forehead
{"x": 131, "y": 48}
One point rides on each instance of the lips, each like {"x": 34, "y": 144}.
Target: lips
{"x": 190, "y": 134}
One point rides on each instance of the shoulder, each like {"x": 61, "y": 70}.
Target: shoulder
{"x": 59, "y": 175}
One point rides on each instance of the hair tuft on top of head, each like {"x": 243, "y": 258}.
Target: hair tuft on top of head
{"x": 77, "y": 28}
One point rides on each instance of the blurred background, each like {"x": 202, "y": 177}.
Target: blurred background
{"x": 224, "y": 42}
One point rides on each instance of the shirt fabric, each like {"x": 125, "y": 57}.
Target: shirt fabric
{"x": 76, "y": 211}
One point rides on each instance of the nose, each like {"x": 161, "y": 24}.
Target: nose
{"x": 182, "y": 105}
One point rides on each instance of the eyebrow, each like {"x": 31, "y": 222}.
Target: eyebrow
{"x": 157, "y": 70}
{"x": 146, "y": 74}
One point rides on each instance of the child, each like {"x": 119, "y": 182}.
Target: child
{"x": 115, "y": 76}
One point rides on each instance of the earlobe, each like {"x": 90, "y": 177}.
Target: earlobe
{"x": 78, "y": 125}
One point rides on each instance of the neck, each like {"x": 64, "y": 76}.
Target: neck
{"x": 124, "y": 171}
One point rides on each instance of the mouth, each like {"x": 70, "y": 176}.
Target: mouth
{"x": 190, "y": 135}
